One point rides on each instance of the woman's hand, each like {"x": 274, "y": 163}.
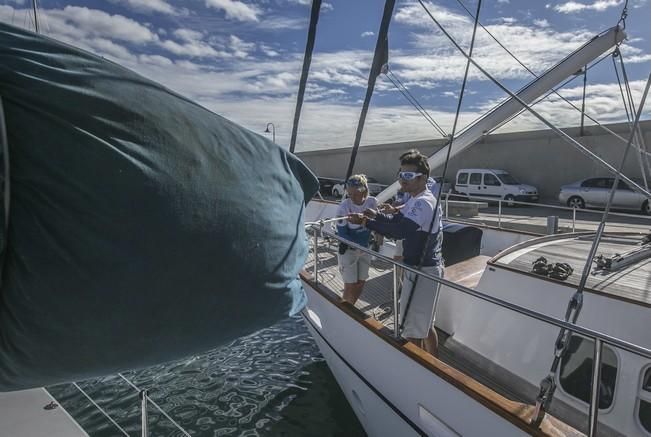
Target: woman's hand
{"x": 370, "y": 213}
{"x": 356, "y": 218}
{"x": 387, "y": 209}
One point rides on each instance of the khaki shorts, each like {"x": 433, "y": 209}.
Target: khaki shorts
{"x": 354, "y": 265}
{"x": 422, "y": 307}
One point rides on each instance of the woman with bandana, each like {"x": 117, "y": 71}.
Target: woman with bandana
{"x": 353, "y": 263}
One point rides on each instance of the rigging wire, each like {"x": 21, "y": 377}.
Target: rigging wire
{"x": 517, "y": 98}
{"x": 555, "y": 91}
{"x": 437, "y": 209}
{"x": 414, "y": 102}
{"x": 621, "y": 90}
{"x": 629, "y": 105}
{"x": 624, "y": 15}
{"x": 35, "y": 6}
{"x": 548, "y": 385}
{"x": 380, "y": 59}
{"x": 307, "y": 61}
{"x": 640, "y": 137}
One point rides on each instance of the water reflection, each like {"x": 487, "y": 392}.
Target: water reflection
{"x": 271, "y": 383}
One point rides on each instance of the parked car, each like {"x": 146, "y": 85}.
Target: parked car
{"x": 495, "y": 184}
{"x": 374, "y": 187}
{"x": 326, "y": 184}
{"x": 593, "y": 192}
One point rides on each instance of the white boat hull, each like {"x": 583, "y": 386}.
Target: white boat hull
{"x": 391, "y": 393}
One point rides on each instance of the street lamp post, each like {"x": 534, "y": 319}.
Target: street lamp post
{"x": 273, "y": 131}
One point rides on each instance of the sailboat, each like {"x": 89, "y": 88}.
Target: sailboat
{"x": 521, "y": 352}
{"x": 499, "y": 323}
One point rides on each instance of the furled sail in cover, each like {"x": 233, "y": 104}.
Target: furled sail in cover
{"x": 142, "y": 227}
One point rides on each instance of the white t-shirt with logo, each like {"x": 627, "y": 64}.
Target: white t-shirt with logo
{"x": 420, "y": 209}
{"x": 347, "y": 206}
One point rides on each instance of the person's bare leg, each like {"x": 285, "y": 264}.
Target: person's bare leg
{"x": 353, "y": 291}
{"x": 428, "y": 344}
{"x": 349, "y": 293}
{"x": 432, "y": 343}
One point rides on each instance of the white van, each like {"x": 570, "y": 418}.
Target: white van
{"x": 496, "y": 184}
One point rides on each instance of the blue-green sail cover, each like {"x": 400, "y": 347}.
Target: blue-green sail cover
{"x": 142, "y": 227}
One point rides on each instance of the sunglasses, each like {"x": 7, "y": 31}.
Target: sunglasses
{"x": 408, "y": 175}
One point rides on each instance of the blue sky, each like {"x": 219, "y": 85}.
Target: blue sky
{"x": 242, "y": 59}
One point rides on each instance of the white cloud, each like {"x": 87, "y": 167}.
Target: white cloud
{"x": 599, "y": 5}
{"x": 159, "y": 6}
{"x": 541, "y": 23}
{"x": 75, "y": 22}
{"x": 235, "y": 10}
{"x": 240, "y": 48}
{"x": 188, "y": 35}
{"x": 433, "y": 56}
{"x": 268, "y": 50}
{"x": 603, "y": 103}
{"x": 325, "y": 6}
{"x": 278, "y": 23}
{"x": 413, "y": 14}
{"x": 158, "y": 60}
{"x": 638, "y": 59}
{"x": 367, "y": 33}
{"x": 255, "y": 90}
{"x": 192, "y": 48}
{"x": 503, "y": 1}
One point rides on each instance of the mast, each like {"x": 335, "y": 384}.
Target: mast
{"x": 554, "y": 76}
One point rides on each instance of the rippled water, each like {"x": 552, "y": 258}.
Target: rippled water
{"x": 271, "y": 383}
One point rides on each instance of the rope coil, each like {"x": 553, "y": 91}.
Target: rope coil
{"x": 560, "y": 271}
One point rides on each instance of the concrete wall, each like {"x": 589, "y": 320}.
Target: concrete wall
{"x": 540, "y": 158}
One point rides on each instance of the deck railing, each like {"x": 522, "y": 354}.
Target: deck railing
{"x": 447, "y": 197}
{"x": 599, "y": 338}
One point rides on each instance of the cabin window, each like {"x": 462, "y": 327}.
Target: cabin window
{"x": 594, "y": 183}
{"x": 576, "y": 371}
{"x": 491, "y": 180}
{"x": 621, "y": 185}
{"x": 644, "y": 406}
{"x": 475, "y": 178}
{"x": 462, "y": 179}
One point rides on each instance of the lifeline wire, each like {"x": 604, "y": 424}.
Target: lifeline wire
{"x": 100, "y": 409}
{"x": 156, "y": 406}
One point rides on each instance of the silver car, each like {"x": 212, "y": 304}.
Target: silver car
{"x": 593, "y": 192}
